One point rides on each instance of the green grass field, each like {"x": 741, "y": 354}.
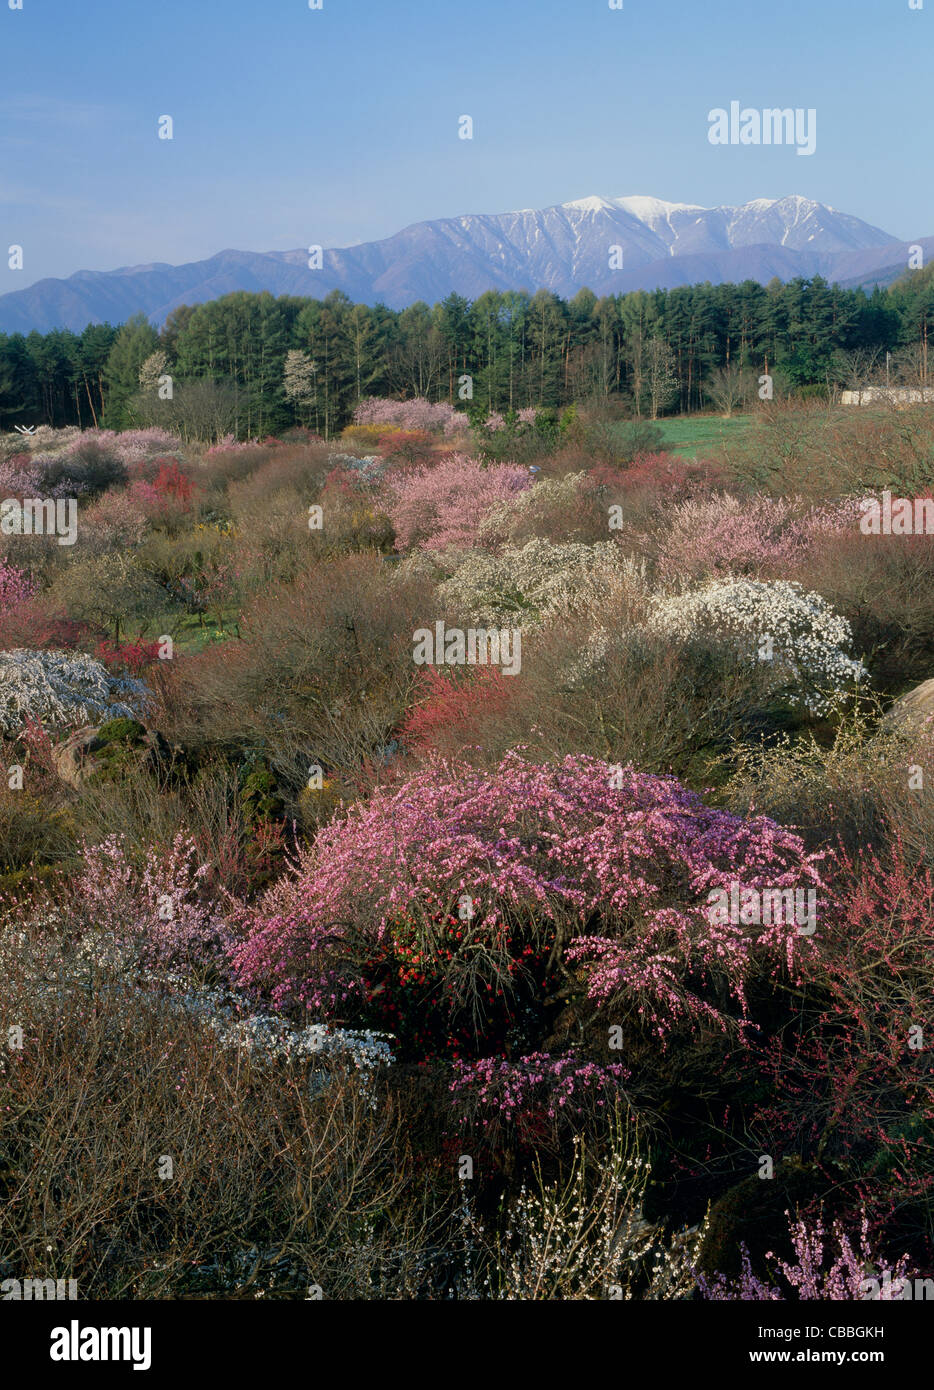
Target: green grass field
{"x": 189, "y": 633}
{"x": 695, "y": 434}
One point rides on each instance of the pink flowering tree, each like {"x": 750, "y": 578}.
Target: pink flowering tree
{"x": 441, "y": 506}
{"x": 130, "y": 446}
{"x": 229, "y": 444}
{"x": 16, "y": 587}
{"x": 154, "y": 912}
{"x": 20, "y": 476}
{"x": 846, "y": 1270}
{"x": 533, "y": 1100}
{"x": 414, "y": 414}
{"x": 113, "y": 522}
{"x": 465, "y": 899}
{"x": 760, "y": 535}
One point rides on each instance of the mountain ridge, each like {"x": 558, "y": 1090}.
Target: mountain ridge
{"x": 654, "y": 243}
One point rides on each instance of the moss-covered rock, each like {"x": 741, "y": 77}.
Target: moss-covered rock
{"x": 753, "y": 1213}
{"x": 259, "y": 796}
{"x": 108, "y": 752}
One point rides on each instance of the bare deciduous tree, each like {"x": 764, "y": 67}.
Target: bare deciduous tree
{"x": 729, "y": 387}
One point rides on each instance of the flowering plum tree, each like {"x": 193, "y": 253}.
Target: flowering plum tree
{"x": 442, "y": 506}
{"x": 850, "y": 1274}
{"x": 490, "y": 883}
{"x": 777, "y": 622}
{"x": 414, "y": 414}
{"x": 62, "y": 689}
{"x": 16, "y": 587}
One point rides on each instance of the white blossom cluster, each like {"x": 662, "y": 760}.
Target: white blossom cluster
{"x": 367, "y": 466}
{"x": 775, "y": 621}
{"x": 531, "y": 581}
{"x": 63, "y": 688}
{"x": 557, "y": 496}
{"x": 574, "y": 1240}
{"x": 93, "y": 961}
{"x": 591, "y": 660}
{"x": 272, "y": 1038}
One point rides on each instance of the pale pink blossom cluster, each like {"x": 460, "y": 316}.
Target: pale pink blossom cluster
{"x": 130, "y": 446}
{"x": 759, "y": 535}
{"x": 414, "y": 414}
{"x": 114, "y": 522}
{"x": 496, "y": 420}
{"x": 156, "y": 910}
{"x": 20, "y": 476}
{"x": 443, "y": 505}
{"x": 229, "y": 444}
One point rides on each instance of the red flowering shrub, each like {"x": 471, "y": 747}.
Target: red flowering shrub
{"x": 412, "y": 984}
{"x": 856, "y": 1083}
{"x": 31, "y": 625}
{"x": 165, "y": 505}
{"x": 661, "y": 475}
{"x": 453, "y": 709}
{"x": 129, "y": 656}
{"x": 170, "y": 481}
{"x": 407, "y": 446}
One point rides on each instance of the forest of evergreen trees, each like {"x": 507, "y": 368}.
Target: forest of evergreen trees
{"x": 669, "y": 351}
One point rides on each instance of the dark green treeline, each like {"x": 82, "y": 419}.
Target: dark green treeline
{"x": 658, "y": 352}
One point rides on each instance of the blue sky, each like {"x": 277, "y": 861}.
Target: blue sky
{"x": 337, "y": 126}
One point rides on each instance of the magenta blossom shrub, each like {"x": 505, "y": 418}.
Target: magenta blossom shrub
{"x": 492, "y": 1090}
{"x": 414, "y": 414}
{"x": 330, "y": 980}
{"x": 852, "y": 1274}
{"x": 443, "y": 505}
{"x": 611, "y": 866}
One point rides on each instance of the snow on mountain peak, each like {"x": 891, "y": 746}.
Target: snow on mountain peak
{"x": 647, "y": 208}
{"x": 595, "y": 203}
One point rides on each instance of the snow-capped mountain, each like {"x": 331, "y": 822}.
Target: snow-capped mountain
{"x": 608, "y": 245}
{"x": 659, "y": 228}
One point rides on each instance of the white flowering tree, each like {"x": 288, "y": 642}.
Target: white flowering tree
{"x": 300, "y": 380}
{"x": 63, "y": 689}
{"x": 151, "y": 371}
{"x": 531, "y": 581}
{"x": 777, "y": 622}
